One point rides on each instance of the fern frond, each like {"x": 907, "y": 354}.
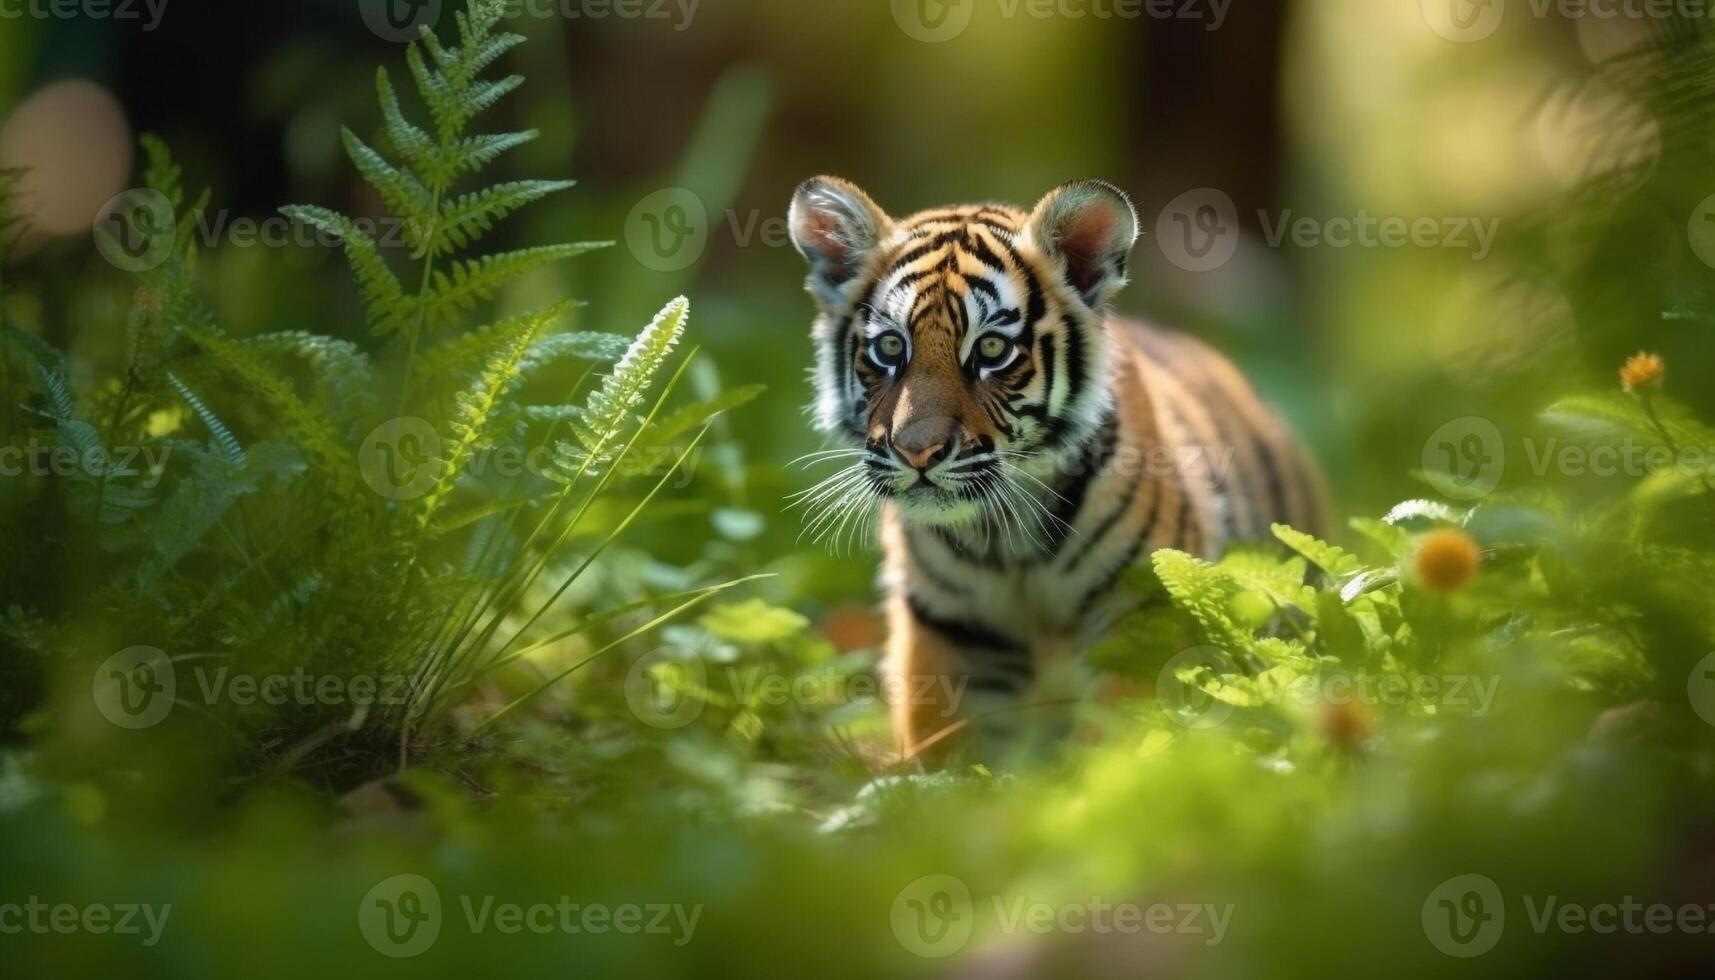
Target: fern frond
{"x": 10, "y": 217}
{"x": 217, "y": 430}
{"x": 40, "y": 351}
{"x": 583, "y": 345}
{"x": 616, "y": 400}
{"x": 479, "y": 48}
{"x": 468, "y": 353}
{"x": 478, "y": 406}
{"x": 483, "y": 96}
{"x": 676, "y": 424}
{"x": 384, "y": 300}
{"x": 162, "y": 173}
{"x": 475, "y": 152}
{"x": 62, "y": 405}
{"x": 345, "y": 380}
{"x": 216, "y": 482}
{"x": 408, "y": 140}
{"x": 309, "y": 430}
{"x": 466, "y": 219}
{"x": 474, "y": 281}
{"x": 446, "y": 78}
{"x": 399, "y": 188}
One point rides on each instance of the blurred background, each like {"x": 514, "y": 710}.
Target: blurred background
{"x": 1258, "y": 114}
{"x": 1415, "y": 223}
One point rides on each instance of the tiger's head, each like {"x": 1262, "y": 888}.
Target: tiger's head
{"x": 958, "y": 342}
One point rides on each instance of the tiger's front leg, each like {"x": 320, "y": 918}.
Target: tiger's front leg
{"x": 954, "y": 688}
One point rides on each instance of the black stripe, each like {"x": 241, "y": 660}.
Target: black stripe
{"x": 1184, "y": 517}
{"x": 997, "y": 684}
{"x": 930, "y": 244}
{"x": 985, "y": 558}
{"x": 1110, "y": 578}
{"x": 1035, "y": 306}
{"x": 981, "y": 285}
{"x": 1070, "y": 499}
{"x": 1075, "y": 363}
{"x": 965, "y": 635}
{"x": 936, "y": 578}
{"x": 1120, "y": 510}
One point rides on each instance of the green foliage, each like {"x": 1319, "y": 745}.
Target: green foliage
{"x": 294, "y": 532}
{"x": 478, "y": 406}
{"x": 419, "y": 190}
{"x": 611, "y": 406}
{"x": 1247, "y": 631}
{"x": 10, "y": 220}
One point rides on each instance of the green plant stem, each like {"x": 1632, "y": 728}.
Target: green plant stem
{"x": 665, "y": 617}
{"x": 449, "y": 659}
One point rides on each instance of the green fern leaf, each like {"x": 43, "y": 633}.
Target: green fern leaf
{"x": 399, "y": 188}
{"x": 38, "y": 350}
{"x": 161, "y": 173}
{"x": 1206, "y": 593}
{"x": 475, "y": 152}
{"x": 308, "y": 429}
{"x": 478, "y": 407}
{"x": 611, "y": 406}
{"x": 1334, "y": 560}
{"x": 72, "y": 432}
{"x": 345, "y": 382}
{"x": 217, "y": 430}
{"x": 384, "y": 300}
{"x": 582, "y": 345}
{"x": 10, "y": 218}
{"x": 694, "y": 415}
{"x": 469, "y": 217}
{"x": 483, "y": 96}
{"x": 474, "y": 281}
{"x": 409, "y": 141}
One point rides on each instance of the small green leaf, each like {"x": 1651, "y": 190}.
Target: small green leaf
{"x": 753, "y": 622}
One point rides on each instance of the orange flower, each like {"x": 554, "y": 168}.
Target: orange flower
{"x": 1642, "y": 370}
{"x": 1446, "y": 560}
{"x": 1346, "y": 726}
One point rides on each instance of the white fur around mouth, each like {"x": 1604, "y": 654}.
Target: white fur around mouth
{"x": 939, "y": 508}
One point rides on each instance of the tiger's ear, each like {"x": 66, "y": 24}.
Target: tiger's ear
{"x": 837, "y": 228}
{"x": 1088, "y": 227}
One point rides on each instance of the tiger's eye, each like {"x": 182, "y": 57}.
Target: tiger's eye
{"x": 993, "y": 348}
{"x": 891, "y": 345}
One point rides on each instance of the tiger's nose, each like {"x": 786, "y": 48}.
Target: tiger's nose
{"x": 924, "y": 445}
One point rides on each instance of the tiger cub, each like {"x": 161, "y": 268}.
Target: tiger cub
{"x": 1025, "y": 444}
